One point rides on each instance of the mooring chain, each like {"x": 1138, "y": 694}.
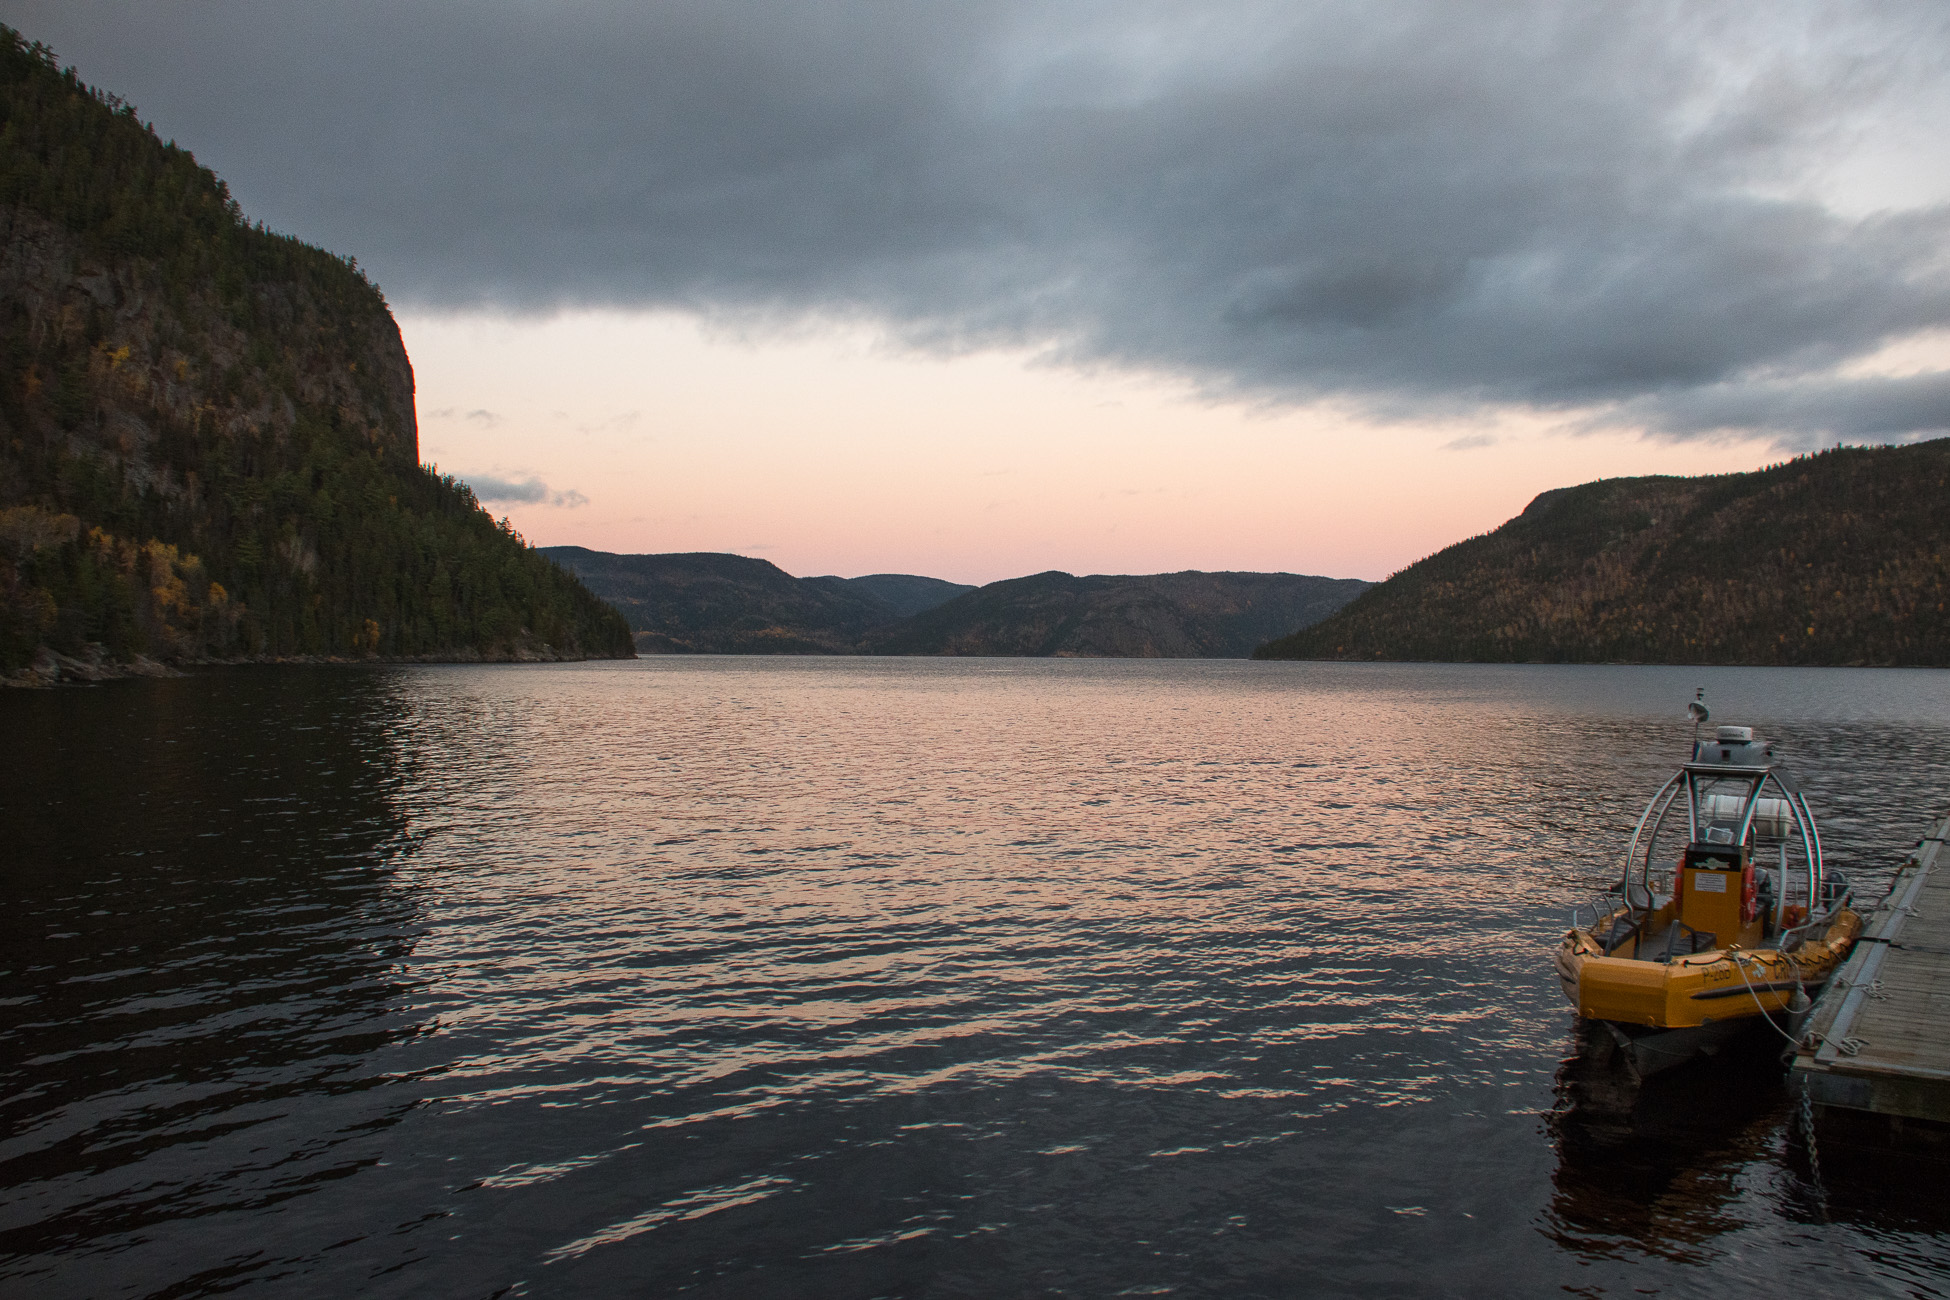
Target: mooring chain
{"x": 1814, "y": 1152}
{"x": 1807, "y": 1038}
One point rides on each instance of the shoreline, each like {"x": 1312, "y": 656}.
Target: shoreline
{"x": 51, "y": 668}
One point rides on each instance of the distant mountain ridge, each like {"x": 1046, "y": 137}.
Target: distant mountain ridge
{"x": 709, "y": 603}
{"x": 1189, "y": 615}
{"x": 1842, "y": 557}
{"x": 906, "y": 594}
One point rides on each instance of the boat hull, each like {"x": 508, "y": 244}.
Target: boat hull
{"x": 1651, "y": 1051}
{"x": 1697, "y": 990}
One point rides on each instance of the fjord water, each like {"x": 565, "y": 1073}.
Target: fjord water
{"x": 855, "y": 977}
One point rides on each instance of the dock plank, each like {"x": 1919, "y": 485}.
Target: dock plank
{"x": 1879, "y": 1038}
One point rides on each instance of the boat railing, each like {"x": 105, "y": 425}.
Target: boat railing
{"x": 1837, "y": 893}
{"x": 1590, "y": 915}
{"x": 1627, "y": 921}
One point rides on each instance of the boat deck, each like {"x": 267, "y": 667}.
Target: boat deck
{"x": 1672, "y": 939}
{"x": 1878, "y": 1055}
{"x": 1654, "y": 946}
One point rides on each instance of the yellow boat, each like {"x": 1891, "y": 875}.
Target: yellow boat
{"x": 1724, "y": 914}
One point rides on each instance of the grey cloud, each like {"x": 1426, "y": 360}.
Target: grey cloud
{"x": 1417, "y": 206}
{"x": 476, "y": 416}
{"x": 527, "y": 491}
{"x": 1800, "y": 414}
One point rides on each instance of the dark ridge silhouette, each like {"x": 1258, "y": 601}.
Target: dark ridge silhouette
{"x": 1833, "y": 558}
{"x": 703, "y": 602}
{"x": 1187, "y": 615}
{"x": 905, "y": 594}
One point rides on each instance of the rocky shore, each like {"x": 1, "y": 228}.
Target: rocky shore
{"x": 51, "y": 668}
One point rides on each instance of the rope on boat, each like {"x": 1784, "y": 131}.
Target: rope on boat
{"x": 1800, "y": 991}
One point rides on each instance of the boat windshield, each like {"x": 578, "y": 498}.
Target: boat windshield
{"x": 1720, "y": 807}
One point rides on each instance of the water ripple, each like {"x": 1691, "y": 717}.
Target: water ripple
{"x": 878, "y": 977}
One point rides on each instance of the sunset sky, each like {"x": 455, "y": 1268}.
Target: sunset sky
{"x": 984, "y": 289}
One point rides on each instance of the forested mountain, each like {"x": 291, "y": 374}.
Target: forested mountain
{"x": 703, "y": 602}
{"x": 1186, "y": 615}
{"x": 207, "y": 437}
{"x": 904, "y": 594}
{"x": 1833, "y": 558}
{"x": 728, "y": 604}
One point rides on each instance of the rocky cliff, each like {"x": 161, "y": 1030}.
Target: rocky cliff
{"x": 207, "y": 436}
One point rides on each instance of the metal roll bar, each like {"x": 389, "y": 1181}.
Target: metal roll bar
{"x": 1686, "y": 778}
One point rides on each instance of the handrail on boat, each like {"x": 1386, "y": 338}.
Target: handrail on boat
{"x": 1841, "y": 895}
{"x": 1652, "y": 821}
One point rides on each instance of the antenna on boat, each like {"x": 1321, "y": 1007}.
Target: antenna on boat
{"x": 1697, "y": 711}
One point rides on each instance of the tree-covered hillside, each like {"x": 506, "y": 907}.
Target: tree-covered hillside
{"x": 207, "y": 438}
{"x": 705, "y": 602}
{"x": 1834, "y": 558}
{"x": 1187, "y": 615}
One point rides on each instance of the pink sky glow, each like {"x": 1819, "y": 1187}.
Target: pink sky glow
{"x": 826, "y": 453}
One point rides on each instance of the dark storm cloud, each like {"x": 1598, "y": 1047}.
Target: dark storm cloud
{"x": 1416, "y": 206}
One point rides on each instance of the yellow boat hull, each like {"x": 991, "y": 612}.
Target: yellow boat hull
{"x": 1694, "y": 989}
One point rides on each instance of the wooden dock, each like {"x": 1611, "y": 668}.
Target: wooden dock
{"x": 1876, "y": 1059}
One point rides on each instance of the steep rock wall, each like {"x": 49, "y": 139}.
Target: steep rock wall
{"x": 207, "y": 436}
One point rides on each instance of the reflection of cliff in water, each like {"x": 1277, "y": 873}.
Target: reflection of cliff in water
{"x": 1657, "y": 1163}
{"x": 202, "y": 926}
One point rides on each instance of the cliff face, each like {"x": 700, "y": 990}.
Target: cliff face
{"x": 1837, "y": 558}
{"x": 118, "y": 357}
{"x": 207, "y": 434}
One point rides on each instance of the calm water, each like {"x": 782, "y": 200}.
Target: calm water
{"x": 730, "y": 977}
